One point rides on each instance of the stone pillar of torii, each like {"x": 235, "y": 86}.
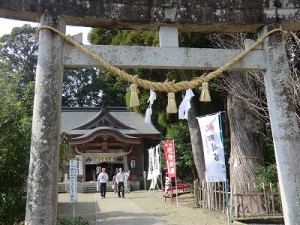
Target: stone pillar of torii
{"x": 41, "y": 205}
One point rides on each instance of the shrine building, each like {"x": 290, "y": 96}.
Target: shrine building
{"x": 111, "y": 137}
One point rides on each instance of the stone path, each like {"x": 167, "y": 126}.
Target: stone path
{"x": 106, "y": 211}
{"x": 138, "y": 207}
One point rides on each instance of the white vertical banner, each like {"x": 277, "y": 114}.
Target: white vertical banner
{"x": 153, "y": 184}
{"x": 73, "y": 180}
{"x": 213, "y": 148}
{"x": 157, "y": 161}
{"x": 79, "y": 159}
{"x": 151, "y": 163}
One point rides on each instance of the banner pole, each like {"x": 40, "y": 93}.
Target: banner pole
{"x": 226, "y": 182}
{"x": 153, "y": 173}
{"x": 176, "y": 191}
{"x": 160, "y": 172}
{"x": 175, "y": 174}
{"x": 73, "y": 211}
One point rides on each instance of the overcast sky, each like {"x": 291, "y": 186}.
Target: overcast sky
{"x": 7, "y": 25}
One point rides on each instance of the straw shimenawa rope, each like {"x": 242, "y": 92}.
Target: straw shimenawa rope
{"x": 161, "y": 86}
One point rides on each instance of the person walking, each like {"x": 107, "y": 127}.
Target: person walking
{"x": 98, "y": 170}
{"x": 102, "y": 179}
{"x": 94, "y": 176}
{"x": 120, "y": 178}
{"x": 115, "y": 185}
{"x": 127, "y": 182}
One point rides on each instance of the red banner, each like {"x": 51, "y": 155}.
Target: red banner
{"x": 169, "y": 150}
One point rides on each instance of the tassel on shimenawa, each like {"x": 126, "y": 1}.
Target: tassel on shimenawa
{"x": 171, "y": 107}
{"x": 134, "y": 98}
{"x": 205, "y": 96}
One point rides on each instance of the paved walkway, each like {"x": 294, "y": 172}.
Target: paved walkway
{"x": 108, "y": 211}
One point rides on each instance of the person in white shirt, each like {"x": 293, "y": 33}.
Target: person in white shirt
{"x": 120, "y": 179}
{"x": 102, "y": 179}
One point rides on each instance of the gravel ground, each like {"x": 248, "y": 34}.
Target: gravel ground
{"x": 171, "y": 214}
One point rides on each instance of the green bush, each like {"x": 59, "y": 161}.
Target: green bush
{"x": 70, "y": 221}
{"x": 266, "y": 175}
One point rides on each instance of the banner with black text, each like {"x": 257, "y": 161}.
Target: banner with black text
{"x": 213, "y": 148}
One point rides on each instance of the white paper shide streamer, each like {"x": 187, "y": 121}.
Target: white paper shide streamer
{"x": 151, "y": 99}
{"x": 185, "y": 105}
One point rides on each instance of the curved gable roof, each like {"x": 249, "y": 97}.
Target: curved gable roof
{"x": 103, "y": 118}
{"x": 78, "y": 121}
{"x": 93, "y": 134}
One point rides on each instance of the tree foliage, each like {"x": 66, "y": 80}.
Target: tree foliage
{"x": 19, "y": 50}
{"x": 15, "y": 128}
{"x": 179, "y": 132}
{"x": 81, "y": 87}
{"x": 18, "y": 58}
{"x": 19, "y": 54}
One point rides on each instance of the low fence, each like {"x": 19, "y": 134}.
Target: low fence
{"x": 253, "y": 201}
{"x": 210, "y": 195}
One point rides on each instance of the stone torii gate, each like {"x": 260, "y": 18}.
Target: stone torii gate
{"x": 182, "y": 15}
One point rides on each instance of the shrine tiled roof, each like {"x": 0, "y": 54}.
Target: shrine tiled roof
{"x": 78, "y": 121}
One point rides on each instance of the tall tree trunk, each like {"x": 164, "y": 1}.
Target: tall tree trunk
{"x": 246, "y": 144}
{"x": 196, "y": 140}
